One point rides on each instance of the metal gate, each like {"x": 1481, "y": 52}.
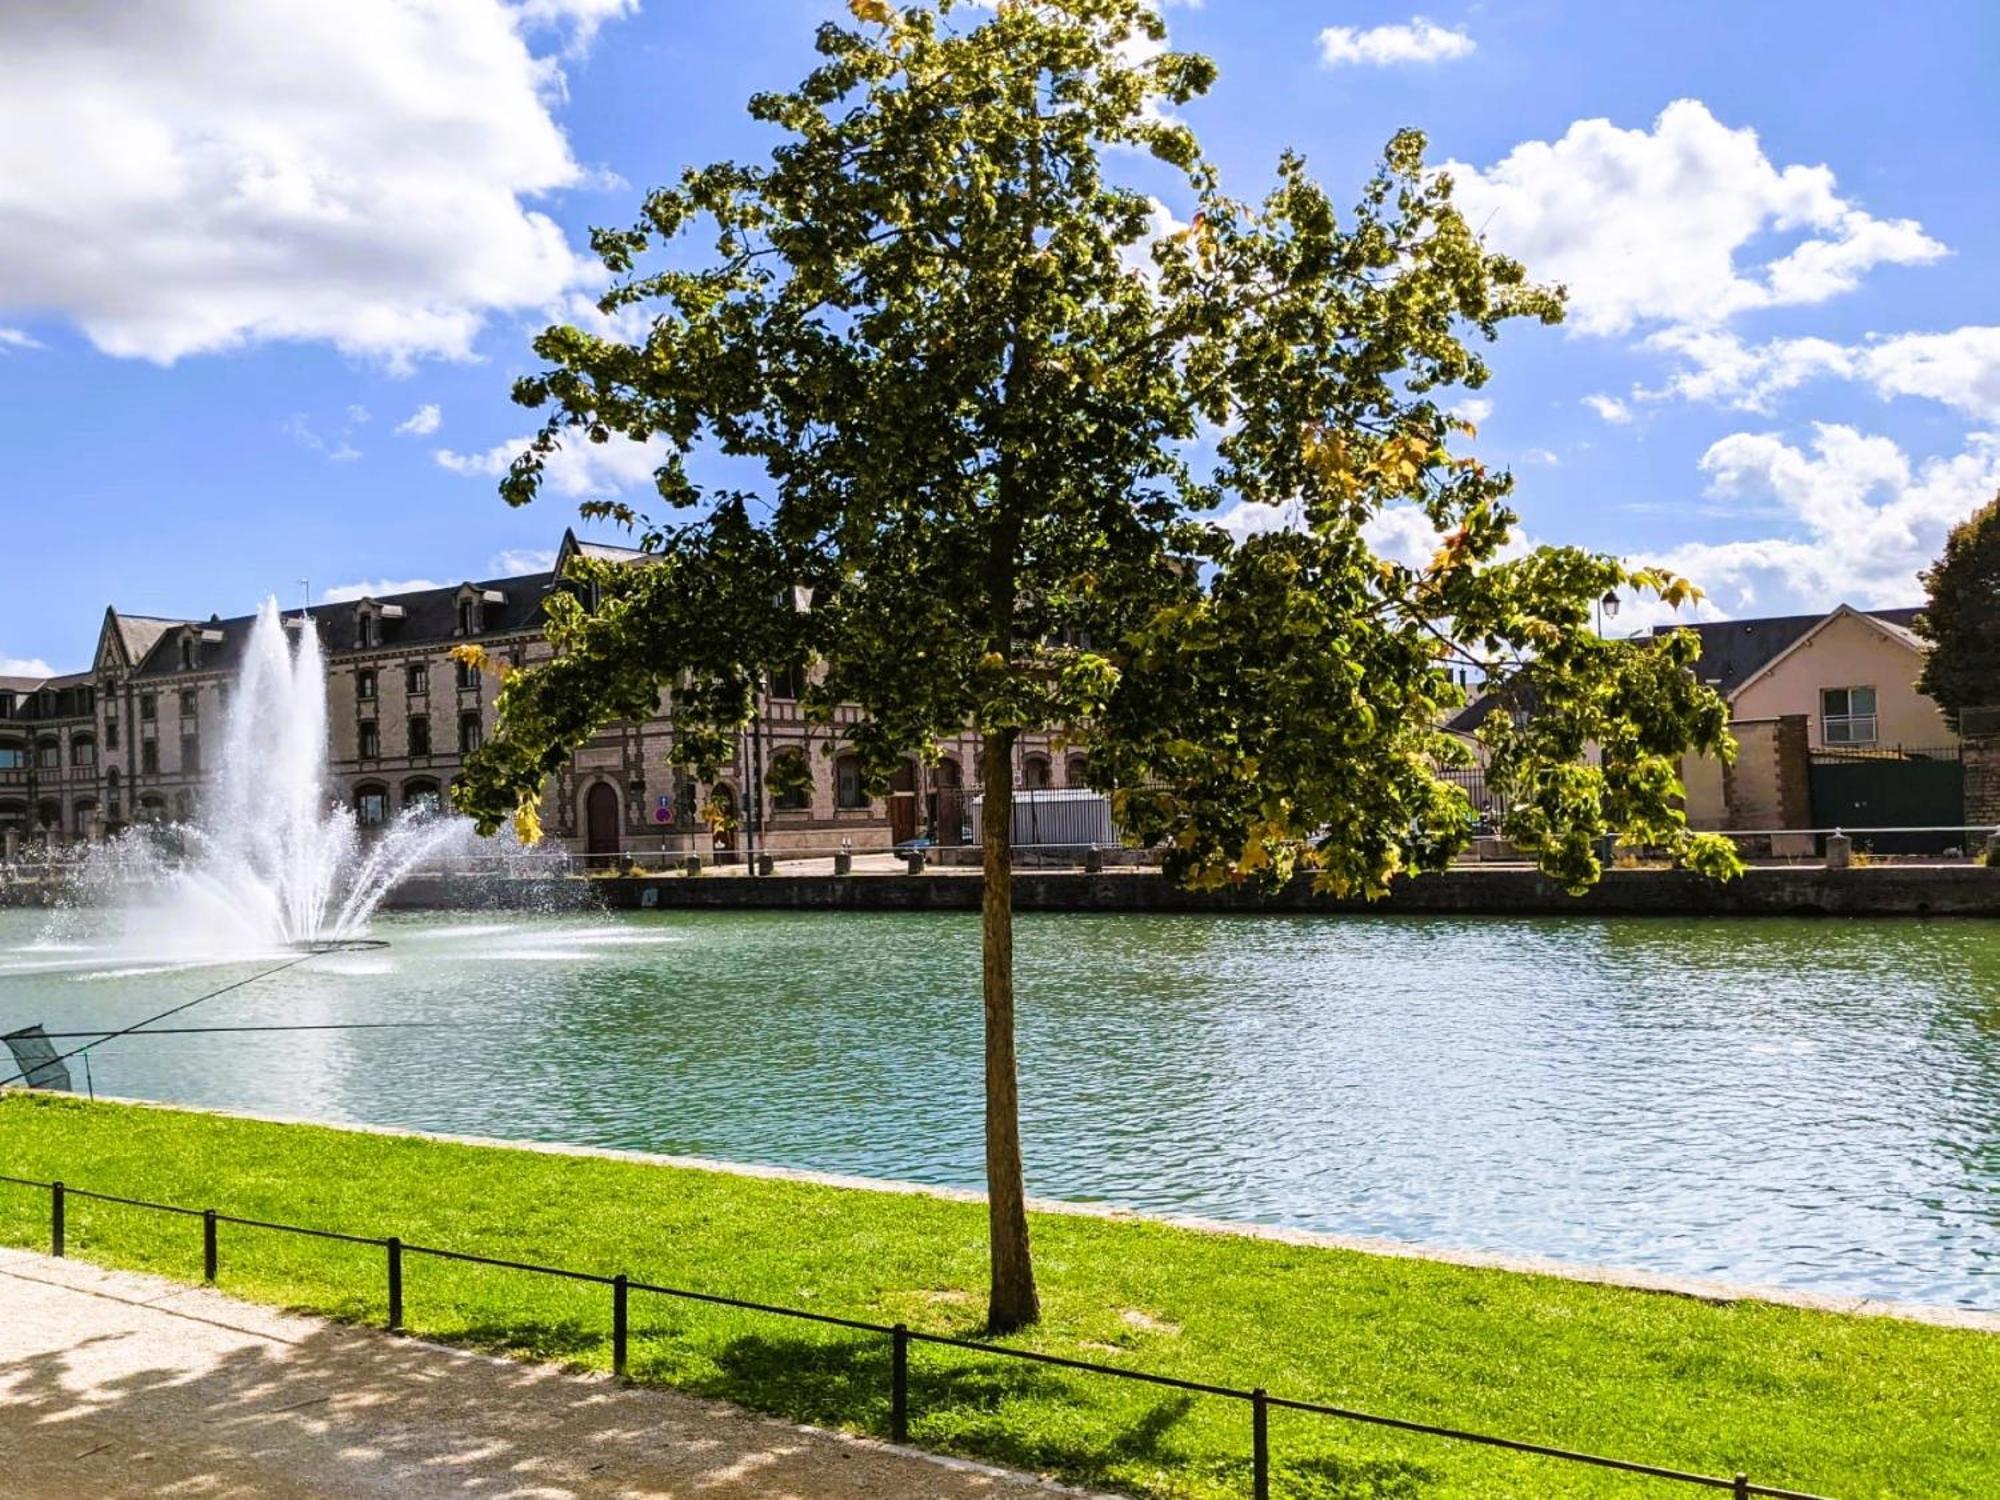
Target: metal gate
{"x": 1890, "y": 788}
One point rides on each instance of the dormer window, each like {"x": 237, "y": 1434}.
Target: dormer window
{"x": 371, "y": 634}
{"x": 188, "y": 654}
{"x": 472, "y": 604}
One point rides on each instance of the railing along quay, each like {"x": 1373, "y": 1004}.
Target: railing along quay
{"x": 900, "y": 1337}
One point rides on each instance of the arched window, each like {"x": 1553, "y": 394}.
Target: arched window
{"x": 1034, "y": 772}
{"x": 48, "y": 817}
{"x": 13, "y": 755}
{"x": 1076, "y": 769}
{"x": 790, "y": 780}
{"x": 48, "y": 754}
{"x": 152, "y": 808}
{"x": 80, "y": 817}
{"x": 371, "y": 805}
{"x": 13, "y": 815}
{"x": 848, "y": 790}
{"x": 183, "y": 806}
{"x": 83, "y": 750}
{"x": 421, "y": 793}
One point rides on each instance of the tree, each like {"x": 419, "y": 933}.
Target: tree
{"x": 971, "y": 379}
{"x": 1962, "y": 618}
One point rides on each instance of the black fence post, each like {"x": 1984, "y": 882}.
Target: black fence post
{"x": 1260, "y": 1444}
{"x": 1741, "y": 1488}
{"x": 56, "y": 1219}
{"x": 208, "y": 1246}
{"x": 395, "y": 1248}
{"x": 899, "y": 1384}
{"x": 620, "y": 1294}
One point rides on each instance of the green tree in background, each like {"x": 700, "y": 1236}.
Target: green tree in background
{"x": 1962, "y": 618}
{"x": 966, "y": 377}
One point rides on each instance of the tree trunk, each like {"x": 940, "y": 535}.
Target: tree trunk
{"x": 1011, "y": 1301}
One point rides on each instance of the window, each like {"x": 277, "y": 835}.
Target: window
{"x": 371, "y": 634}
{"x": 847, "y": 789}
{"x": 787, "y": 682}
{"x": 371, "y": 806}
{"x": 468, "y": 617}
{"x": 147, "y": 709}
{"x": 183, "y": 807}
{"x": 6, "y": 705}
{"x": 1847, "y": 716}
{"x": 48, "y": 755}
{"x": 1075, "y": 771}
{"x": 371, "y": 740}
{"x": 190, "y": 753}
{"x": 111, "y": 734}
{"x": 417, "y": 678}
{"x": 420, "y": 736}
{"x": 470, "y": 733}
{"x": 83, "y": 751}
{"x": 791, "y": 782}
{"x": 421, "y": 796}
{"x": 1035, "y": 772}
{"x": 149, "y": 757}
{"x": 190, "y": 705}
{"x": 13, "y": 756}
{"x": 364, "y": 684}
{"x": 187, "y": 653}
{"x": 468, "y": 677}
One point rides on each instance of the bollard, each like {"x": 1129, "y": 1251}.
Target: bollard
{"x": 765, "y": 863}
{"x": 56, "y": 1219}
{"x": 691, "y": 865}
{"x": 1839, "y": 851}
{"x": 913, "y": 861}
{"x": 899, "y": 1384}
{"x": 208, "y": 1246}
{"x": 1093, "y": 861}
{"x": 1260, "y": 1444}
{"x": 843, "y": 863}
{"x": 620, "y": 1330}
{"x": 395, "y": 1248}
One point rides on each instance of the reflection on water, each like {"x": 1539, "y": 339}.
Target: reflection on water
{"x": 1809, "y": 1103}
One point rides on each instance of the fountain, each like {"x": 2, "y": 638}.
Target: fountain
{"x": 272, "y": 861}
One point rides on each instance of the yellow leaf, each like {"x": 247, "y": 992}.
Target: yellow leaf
{"x": 878, "y": 12}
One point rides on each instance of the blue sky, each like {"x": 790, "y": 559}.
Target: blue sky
{"x": 268, "y": 267}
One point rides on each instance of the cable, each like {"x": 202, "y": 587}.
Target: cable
{"x": 21, "y": 1077}
{"x": 64, "y": 1036}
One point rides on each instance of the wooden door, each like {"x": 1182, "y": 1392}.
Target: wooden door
{"x": 600, "y": 817}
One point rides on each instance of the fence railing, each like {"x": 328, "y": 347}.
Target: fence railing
{"x": 900, "y": 1339}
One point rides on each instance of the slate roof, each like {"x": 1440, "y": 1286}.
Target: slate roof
{"x": 1732, "y": 652}
{"x": 430, "y": 618}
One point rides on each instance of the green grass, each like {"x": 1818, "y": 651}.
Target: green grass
{"x": 1839, "y": 1405}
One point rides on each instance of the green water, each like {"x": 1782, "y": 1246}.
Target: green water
{"x": 1811, "y": 1103}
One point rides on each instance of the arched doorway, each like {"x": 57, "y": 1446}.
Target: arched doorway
{"x": 947, "y": 803}
{"x": 600, "y": 822}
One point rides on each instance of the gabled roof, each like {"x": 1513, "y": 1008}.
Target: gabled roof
{"x": 1892, "y": 624}
{"x": 1733, "y": 652}
{"x": 134, "y": 635}
{"x": 573, "y": 546}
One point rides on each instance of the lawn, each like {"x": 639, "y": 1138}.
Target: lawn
{"x": 1837, "y": 1405}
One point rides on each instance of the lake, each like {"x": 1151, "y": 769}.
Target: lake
{"x": 1814, "y": 1104}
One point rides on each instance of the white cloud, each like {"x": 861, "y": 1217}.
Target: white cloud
{"x": 1647, "y": 226}
{"x": 1542, "y": 456}
{"x": 581, "y": 18}
{"x": 1610, "y": 408}
{"x": 1420, "y": 41}
{"x": 518, "y": 560}
{"x": 1960, "y": 369}
{"x": 579, "y": 468}
{"x": 299, "y": 428}
{"x": 25, "y": 666}
{"x": 424, "y": 421}
{"x": 17, "y": 338}
{"x": 200, "y": 176}
{"x": 1473, "y": 409}
{"x": 378, "y": 588}
{"x": 1867, "y": 519}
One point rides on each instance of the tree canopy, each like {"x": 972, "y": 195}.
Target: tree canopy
{"x": 1961, "y": 619}
{"x": 974, "y": 398}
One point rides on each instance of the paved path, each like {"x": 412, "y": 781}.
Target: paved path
{"x": 120, "y": 1385}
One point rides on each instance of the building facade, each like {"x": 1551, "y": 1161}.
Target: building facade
{"x": 134, "y": 738}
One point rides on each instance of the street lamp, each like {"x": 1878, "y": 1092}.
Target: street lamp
{"x": 1607, "y": 607}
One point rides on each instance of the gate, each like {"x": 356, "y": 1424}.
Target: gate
{"x": 1890, "y": 787}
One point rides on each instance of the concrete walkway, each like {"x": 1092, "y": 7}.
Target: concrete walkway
{"x": 114, "y": 1384}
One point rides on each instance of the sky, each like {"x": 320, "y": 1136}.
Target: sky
{"x": 268, "y": 269}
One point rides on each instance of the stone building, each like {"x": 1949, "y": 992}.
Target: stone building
{"x": 133, "y": 738}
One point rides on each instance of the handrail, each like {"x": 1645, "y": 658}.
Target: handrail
{"x": 900, "y": 1336}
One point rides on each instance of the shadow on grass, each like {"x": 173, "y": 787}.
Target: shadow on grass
{"x": 1026, "y": 1416}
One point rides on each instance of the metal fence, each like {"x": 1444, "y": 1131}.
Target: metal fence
{"x": 900, "y": 1339}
